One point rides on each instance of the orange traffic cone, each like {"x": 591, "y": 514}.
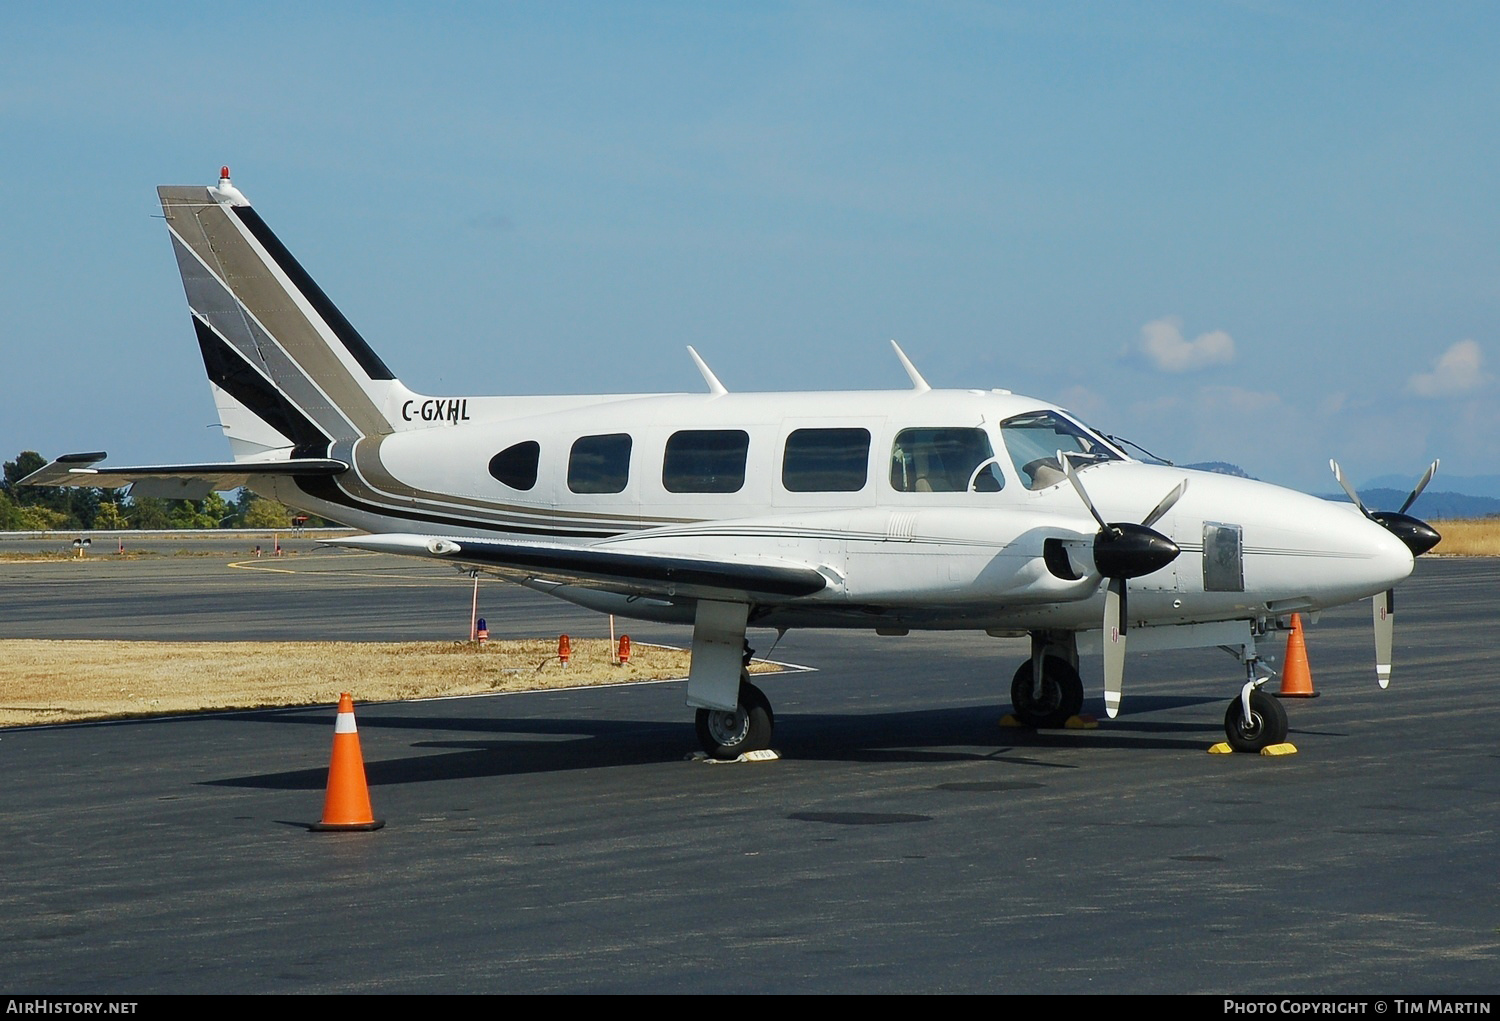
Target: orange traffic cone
{"x": 1296, "y": 678}
{"x": 564, "y": 649}
{"x": 346, "y": 806}
{"x": 624, "y": 651}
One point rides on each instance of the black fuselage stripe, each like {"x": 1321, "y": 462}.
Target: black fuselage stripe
{"x": 342, "y": 328}
{"x": 647, "y": 568}
{"x": 329, "y": 491}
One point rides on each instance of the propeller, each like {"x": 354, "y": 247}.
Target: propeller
{"x": 1418, "y": 536}
{"x": 1123, "y": 550}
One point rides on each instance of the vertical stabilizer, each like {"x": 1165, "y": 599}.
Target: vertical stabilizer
{"x": 290, "y": 374}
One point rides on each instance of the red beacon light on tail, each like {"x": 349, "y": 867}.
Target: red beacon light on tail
{"x": 227, "y": 192}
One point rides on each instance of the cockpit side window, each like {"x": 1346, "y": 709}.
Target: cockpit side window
{"x": 944, "y": 461}
{"x": 1033, "y": 441}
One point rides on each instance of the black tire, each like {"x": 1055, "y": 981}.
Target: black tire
{"x": 1061, "y": 698}
{"x": 1266, "y": 726}
{"x": 728, "y": 735}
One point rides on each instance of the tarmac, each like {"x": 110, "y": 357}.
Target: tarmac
{"x": 566, "y": 841}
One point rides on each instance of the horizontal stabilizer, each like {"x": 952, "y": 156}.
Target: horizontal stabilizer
{"x": 613, "y": 569}
{"x": 174, "y": 481}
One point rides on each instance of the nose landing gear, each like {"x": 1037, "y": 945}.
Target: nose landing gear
{"x": 1255, "y": 720}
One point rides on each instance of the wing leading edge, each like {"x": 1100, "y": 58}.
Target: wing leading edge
{"x": 614, "y": 569}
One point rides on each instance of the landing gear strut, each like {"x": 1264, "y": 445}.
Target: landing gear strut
{"x": 728, "y": 735}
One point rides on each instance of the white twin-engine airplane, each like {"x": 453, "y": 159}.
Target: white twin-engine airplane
{"x": 888, "y": 511}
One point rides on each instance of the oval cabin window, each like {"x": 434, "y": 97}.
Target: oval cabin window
{"x": 515, "y": 466}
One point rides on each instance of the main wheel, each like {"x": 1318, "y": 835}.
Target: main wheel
{"x": 1265, "y": 727}
{"x": 1061, "y": 697}
{"x": 728, "y": 735}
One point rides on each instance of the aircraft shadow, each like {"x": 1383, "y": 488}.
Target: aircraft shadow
{"x": 519, "y": 746}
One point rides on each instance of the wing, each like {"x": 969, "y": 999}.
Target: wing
{"x": 174, "y": 481}
{"x": 627, "y": 572}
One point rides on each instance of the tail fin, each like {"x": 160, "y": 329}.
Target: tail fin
{"x": 291, "y": 376}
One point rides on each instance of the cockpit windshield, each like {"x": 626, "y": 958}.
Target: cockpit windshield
{"x": 1033, "y": 441}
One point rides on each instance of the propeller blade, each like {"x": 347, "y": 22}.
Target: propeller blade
{"x": 1339, "y": 475}
{"x": 1114, "y": 644}
{"x": 1385, "y": 633}
{"x": 1123, "y": 550}
{"x": 1078, "y": 485}
{"x": 1167, "y": 503}
{"x": 1431, "y": 471}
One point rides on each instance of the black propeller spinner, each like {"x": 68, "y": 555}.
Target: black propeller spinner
{"x": 1126, "y": 550}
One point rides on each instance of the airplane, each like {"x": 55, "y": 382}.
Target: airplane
{"x": 885, "y": 511}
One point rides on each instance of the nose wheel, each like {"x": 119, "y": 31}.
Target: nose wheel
{"x": 1264, "y": 725}
{"x": 727, "y": 734}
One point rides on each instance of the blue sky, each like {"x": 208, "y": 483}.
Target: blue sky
{"x": 1259, "y": 232}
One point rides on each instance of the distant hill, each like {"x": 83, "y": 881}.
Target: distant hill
{"x": 1430, "y": 506}
{"x": 1222, "y": 468}
{"x": 1467, "y": 485}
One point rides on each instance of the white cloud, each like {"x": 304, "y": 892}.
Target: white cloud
{"x": 1163, "y": 343}
{"x": 1236, "y": 400}
{"x": 1333, "y": 403}
{"x": 1457, "y": 371}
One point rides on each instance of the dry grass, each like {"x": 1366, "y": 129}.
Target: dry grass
{"x": 58, "y": 681}
{"x": 1478, "y": 537}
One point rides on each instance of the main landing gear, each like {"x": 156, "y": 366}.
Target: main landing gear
{"x": 728, "y": 735}
{"x": 1060, "y": 696}
{"x": 719, "y": 679}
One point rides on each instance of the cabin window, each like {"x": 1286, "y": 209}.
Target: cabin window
{"x": 826, "y": 461}
{"x": 515, "y": 466}
{"x": 1034, "y": 440}
{"x": 944, "y": 461}
{"x": 705, "y": 461}
{"x": 599, "y": 464}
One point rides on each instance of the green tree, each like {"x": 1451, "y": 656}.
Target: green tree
{"x": 265, "y": 513}
{"x": 15, "y": 517}
{"x": 26, "y": 462}
{"x": 10, "y": 514}
{"x": 110, "y": 516}
{"x": 148, "y": 512}
{"x": 210, "y": 512}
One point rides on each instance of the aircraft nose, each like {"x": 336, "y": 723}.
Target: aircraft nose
{"x": 1391, "y": 559}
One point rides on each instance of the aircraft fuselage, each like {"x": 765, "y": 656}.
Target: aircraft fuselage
{"x": 765, "y": 477}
